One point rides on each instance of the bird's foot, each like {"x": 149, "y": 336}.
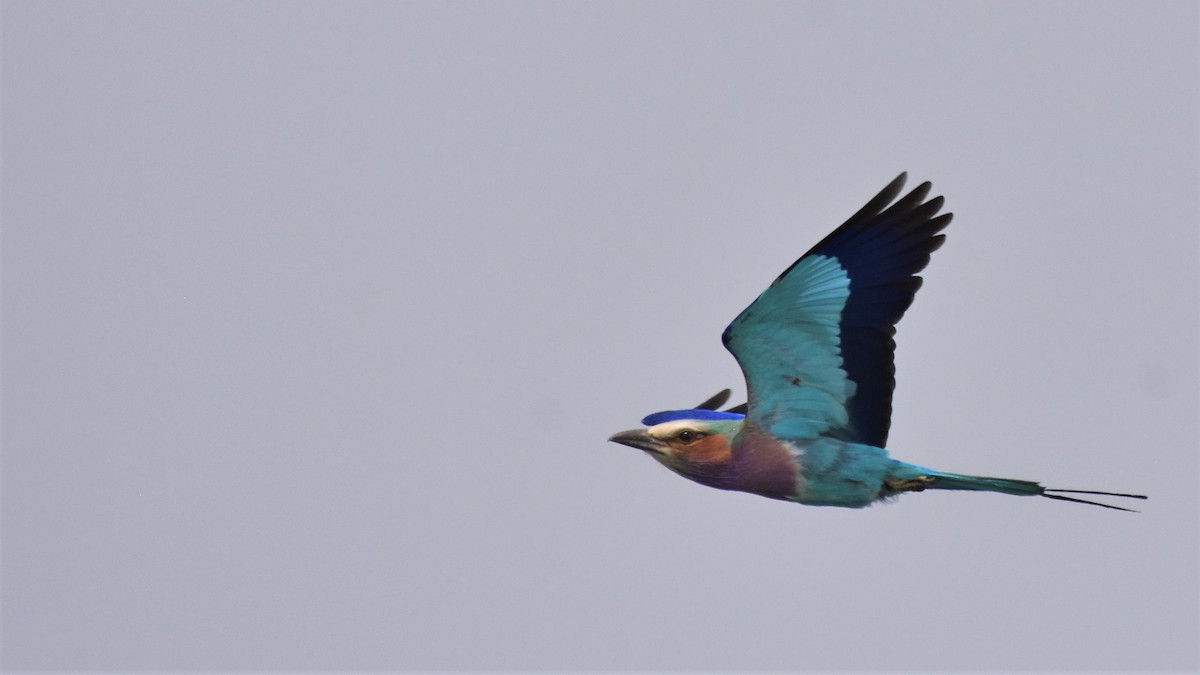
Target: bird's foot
{"x": 908, "y": 484}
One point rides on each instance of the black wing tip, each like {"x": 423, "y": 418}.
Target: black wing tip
{"x": 715, "y": 401}
{"x": 881, "y": 201}
{"x": 936, "y": 241}
{"x": 719, "y": 399}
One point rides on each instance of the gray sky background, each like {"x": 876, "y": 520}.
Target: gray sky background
{"x": 316, "y": 318}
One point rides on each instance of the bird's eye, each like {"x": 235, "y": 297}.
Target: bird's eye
{"x": 688, "y": 436}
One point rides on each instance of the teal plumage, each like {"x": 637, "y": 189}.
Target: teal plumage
{"x": 816, "y": 349}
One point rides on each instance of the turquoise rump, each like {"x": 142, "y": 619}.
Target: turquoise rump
{"x": 816, "y": 349}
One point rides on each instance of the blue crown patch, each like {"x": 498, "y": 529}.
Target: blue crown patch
{"x": 672, "y": 415}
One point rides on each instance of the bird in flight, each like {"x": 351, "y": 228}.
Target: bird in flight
{"x": 816, "y": 349}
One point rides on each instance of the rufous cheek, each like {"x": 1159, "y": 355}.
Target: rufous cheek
{"x": 707, "y": 450}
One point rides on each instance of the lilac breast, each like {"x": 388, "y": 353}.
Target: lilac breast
{"x": 758, "y": 464}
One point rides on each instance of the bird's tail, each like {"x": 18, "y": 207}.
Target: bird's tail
{"x": 936, "y": 480}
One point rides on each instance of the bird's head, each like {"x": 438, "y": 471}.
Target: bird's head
{"x": 693, "y": 443}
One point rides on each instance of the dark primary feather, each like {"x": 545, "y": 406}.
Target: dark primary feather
{"x": 716, "y": 400}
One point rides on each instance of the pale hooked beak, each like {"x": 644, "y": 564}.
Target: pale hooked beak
{"x": 636, "y": 438}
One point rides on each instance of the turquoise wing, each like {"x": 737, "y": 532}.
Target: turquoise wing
{"x": 817, "y": 346}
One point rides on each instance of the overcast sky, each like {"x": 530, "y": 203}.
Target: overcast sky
{"x": 316, "y": 317}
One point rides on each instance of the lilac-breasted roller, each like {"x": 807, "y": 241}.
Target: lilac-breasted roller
{"x": 816, "y": 349}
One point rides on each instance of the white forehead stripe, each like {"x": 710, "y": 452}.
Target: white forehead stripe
{"x": 669, "y": 429}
